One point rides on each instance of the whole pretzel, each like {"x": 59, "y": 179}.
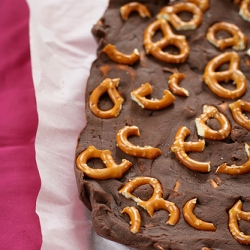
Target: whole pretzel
{"x": 119, "y": 57}
{"x": 170, "y": 14}
{"x": 237, "y": 108}
{"x": 192, "y": 220}
{"x": 213, "y": 78}
{"x": 238, "y": 39}
{"x": 174, "y": 79}
{"x": 244, "y": 10}
{"x": 134, "y": 6}
{"x": 202, "y": 4}
{"x": 139, "y": 96}
{"x": 235, "y": 214}
{"x": 204, "y": 130}
{"x": 131, "y": 149}
{"x": 107, "y": 85}
{"x": 156, "y": 201}
{"x": 112, "y": 170}
{"x": 135, "y": 219}
{"x": 180, "y": 148}
{"x": 156, "y": 48}
{"x": 234, "y": 169}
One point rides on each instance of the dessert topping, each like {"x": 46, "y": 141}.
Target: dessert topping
{"x": 139, "y": 96}
{"x": 169, "y": 13}
{"x": 205, "y": 131}
{"x": 119, "y": 57}
{"x": 134, "y": 6}
{"x": 156, "y": 201}
{"x": 130, "y": 149}
{"x": 212, "y": 78}
{"x": 192, "y": 220}
{"x": 180, "y": 147}
{"x": 169, "y": 38}
{"x": 238, "y": 39}
{"x": 108, "y": 85}
{"x": 112, "y": 170}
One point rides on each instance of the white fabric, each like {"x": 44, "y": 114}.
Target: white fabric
{"x": 62, "y": 50}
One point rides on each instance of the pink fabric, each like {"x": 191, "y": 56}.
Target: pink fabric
{"x": 19, "y": 178}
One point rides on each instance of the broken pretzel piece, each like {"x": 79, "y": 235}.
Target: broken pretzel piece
{"x": 107, "y": 85}
{"x": 135, "y": 219}
{"x": 238, "y": 40}
{"x": 156, "y": 202}
{"x": 134, "y": 6}
{"x": 205, "y": 131}
{"x": 139, "y": 96}
{"x": 244, "y": 10}
{"x": 192, "y": 220}
{"x": 237, "y": 108}
{"x": 112, "y": 170}
{"x": 180, "y": 148}
{"x": 235, "y": 214}
{"x": 130, "y": 149}
{"x": 173, "y": 82}
{"x": 119, "y": 57}
{"x": 236, "y": 170}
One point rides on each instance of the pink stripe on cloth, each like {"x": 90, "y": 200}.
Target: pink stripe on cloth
{"x": 19, "y": 178}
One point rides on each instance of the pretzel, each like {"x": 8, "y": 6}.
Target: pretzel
{"x": 205, "y": 131}
{"x": 235, "y": 214}
{"x": 213, "y": 78}
{"x": 134, "y": 6}
{"x": 244, "y": 10}
{"x": 139, "y": 96}
{"x": 106, "y": 68}
{"x": 156, "y": 201}
{"x": 236, "y": 170}
{"x": 112, "y": 170}
{"x": 119, "y": 57}
{"x": 174, "y": 79}
{"x": 108, "y": 85}
{"x": 169, "y": 38}
{"x": 180, "y": 147}
{"x": 202, "y": 4}
{"x": 169, "y": 13}
{"x": 192, "y": 220}
{"x": 135, "y": 219}
{"x": 238, "y": 39}
{"x": 130, "y": 149}
{"x": 237, "y": 108}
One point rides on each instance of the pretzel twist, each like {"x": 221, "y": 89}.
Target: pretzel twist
{"x": 237, "y": 108}
{"x": 139, "y": 96}
{"x": 180, "y": 148}
{"x": 108, "y": 85}
{"x": 202, "y": 4}
{"x": 112, "y": 170}
{"x": 134, "y": 6}
{"x": 235, "y": 214}
{"x": 169, "y": 13}
{"x": 119, "y": 57}
{"x": 244, "y": 10}
{"x": 156, "y": 48}
{"x": 234, "y": 169}
{"x": 130, "y": 149}
{"x": 205, "y": 131}
{"x": 156, "y": 201}
{"x": 135, "y": 219}
{"x": 192, "y": 220}
{"x": 238, "y": 40}
{"x": 213, "y": 78}
{"x": 173, "y": 82}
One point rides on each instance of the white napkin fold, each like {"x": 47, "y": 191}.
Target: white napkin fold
{"x": 62, "y": 50}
